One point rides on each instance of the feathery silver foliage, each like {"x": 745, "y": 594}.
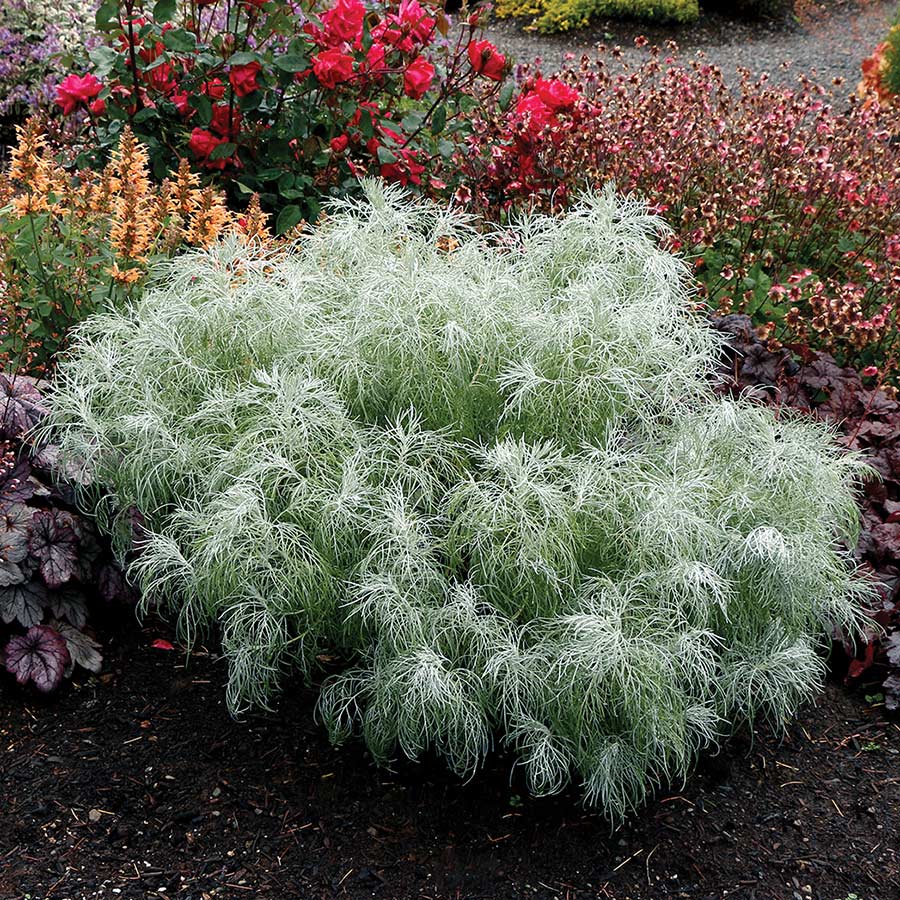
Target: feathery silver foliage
{"x": 488, "y": 471}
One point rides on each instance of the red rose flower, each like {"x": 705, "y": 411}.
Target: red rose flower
{"x": 161, "y": 78}
{"x": 225, "y": 121}
{"x": 97, "y": 107}
{"x": 343, "y": 23}
{"x": 486, "y": 59}
{"x": 332, "y": 67}
{"x": 202, "y": 143}
{"x": 415, "y": 20}
{"x": 181, "y": 103}
{"x": 339, "y": 143}
{"x": 214, "y": 89}
{"x": 534, "y": 111}
{"x": 392, "y": 32}
{"x": 555, "y": 94}
{"x": 76, "y": 90}
{"x": 375, "y": 57}
{"x": 406, "y": 170}
{"x": 243, "y": 78}
{"x": 417, "y": 78}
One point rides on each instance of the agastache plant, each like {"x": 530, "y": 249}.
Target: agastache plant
{"x": 486, "y": 472}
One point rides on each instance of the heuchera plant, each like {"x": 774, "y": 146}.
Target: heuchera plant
{"x": 785, "y": 199}
{"x": 51, "y": 559}
{"x": 288, "y": 100}
{"x": 867, "y": 420}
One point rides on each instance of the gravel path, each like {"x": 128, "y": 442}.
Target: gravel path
{"x": 831, "y": 37}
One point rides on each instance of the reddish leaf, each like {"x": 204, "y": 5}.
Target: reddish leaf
{"x": 54, "y": 544}
{"x": 858, "y": 666}
{"x": 112, "y": 585}
{"x": 39, "y": 656}
{"x": 161, "y": 644}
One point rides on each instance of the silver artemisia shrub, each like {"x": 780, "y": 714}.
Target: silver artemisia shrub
{"x": 488, "y": 472}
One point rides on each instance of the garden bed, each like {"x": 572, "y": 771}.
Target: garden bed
{"x": 139, "y": 784}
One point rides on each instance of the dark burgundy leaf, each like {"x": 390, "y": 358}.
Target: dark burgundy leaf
{"x": 112, "y": 585}
{"x": 68, "y": 604}
{"x": 23, "y": 603}
{"x": 135, "y": 519}
{"x": 16, "y": 484}
{"x": 54, "y": 544}
{"x": 89, "y": 551}
{"x": 13, "y": 550}
{"x": 83, "y": 649}
{"x": 887, "y": 539}
{"x": 20, "y": 405}
{"x": 39, "y": 656}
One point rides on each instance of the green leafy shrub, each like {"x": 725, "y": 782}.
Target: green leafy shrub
{"x": 487, "y": 472}
{"x": 288, "y": 101}
{"x": 564, "y": 15}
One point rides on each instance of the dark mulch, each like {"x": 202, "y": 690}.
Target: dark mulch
{"x": 140, "y": 785}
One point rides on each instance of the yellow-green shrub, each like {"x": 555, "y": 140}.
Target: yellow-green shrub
{"x": 563, "y": 15}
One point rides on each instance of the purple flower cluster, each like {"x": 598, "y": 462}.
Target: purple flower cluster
{"x": 34, "y": 36}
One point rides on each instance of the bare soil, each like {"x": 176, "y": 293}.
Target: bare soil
{"x": 139, "y": 784}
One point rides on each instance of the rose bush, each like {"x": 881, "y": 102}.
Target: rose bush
{"x": 292, "y": 102}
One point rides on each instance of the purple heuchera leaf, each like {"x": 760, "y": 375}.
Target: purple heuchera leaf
{"x": 16, "y": 484}
{"x": 20, "y": 405}
{"x": 54, "y": 544}
{"x": 23, "y": 603}
{"x": 112, "y": 585}
{"x": 83, "y": 649}
{"x": 892, "y": 693}
{"x": 68, "y": 604}
{"x": 13, "y": 550}
{"x": 892, "y": 646}
{"x": 40, "y": 656}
